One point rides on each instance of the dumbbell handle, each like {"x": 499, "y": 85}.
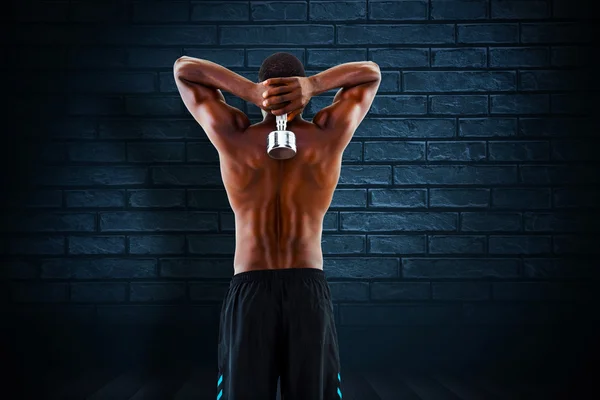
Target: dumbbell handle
{"x": 281, "y": 121}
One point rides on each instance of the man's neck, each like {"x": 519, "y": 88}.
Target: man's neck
{"x": 272, "y": 118}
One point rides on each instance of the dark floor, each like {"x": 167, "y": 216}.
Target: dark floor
{"x": 180, "y": 383}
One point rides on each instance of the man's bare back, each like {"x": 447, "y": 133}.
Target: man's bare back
{"x": 279, "y": 205}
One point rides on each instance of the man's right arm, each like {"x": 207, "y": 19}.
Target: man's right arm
{"x": 359, "y": 82}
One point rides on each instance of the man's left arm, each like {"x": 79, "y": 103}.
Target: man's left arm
{"x": 200, "y": 83}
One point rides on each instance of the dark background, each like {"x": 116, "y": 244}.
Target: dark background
{"x": 463, "y": 233}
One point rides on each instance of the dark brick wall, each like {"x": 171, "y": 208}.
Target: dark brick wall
{"x": 462, "y": 227}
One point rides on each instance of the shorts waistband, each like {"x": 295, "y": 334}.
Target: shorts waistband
{"x": 284, "y": 273}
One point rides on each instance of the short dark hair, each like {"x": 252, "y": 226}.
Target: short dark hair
{"x": 280, "y": 65}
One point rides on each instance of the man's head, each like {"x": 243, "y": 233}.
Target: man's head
{"x": 280, "y": 65}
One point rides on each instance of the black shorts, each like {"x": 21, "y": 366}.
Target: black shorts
{"x": 278, "y": 324}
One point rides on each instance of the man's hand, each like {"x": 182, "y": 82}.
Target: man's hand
{"x": 287, "y": 95}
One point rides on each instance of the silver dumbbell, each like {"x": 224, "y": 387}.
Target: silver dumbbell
{"x": 281, "y": 144}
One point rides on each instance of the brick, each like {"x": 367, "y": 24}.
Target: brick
{"x": 398, "y": 315}
{"x": 390, "y": 81}
{"x": 98, "y": 57}
{"x": 576, "y": 197}
{"x": 406, "y": 128}
{"x": 158, "y": 221}
{"x": 490, "y": 222}
{"x": 459, "y": 57}
{"x": 548, "y": 80}
{"x": 39, "y": 292}
{"x": 149, "y": 198}
{"x": 157, "y": 105}
{"x": 96, "y": 152}
{"x": 454, "y": 175}
{"x": 187, "y": 175}
{"x": 519, "y": 244}
{"x": 279, "y": 35}
{"x": 397, "y": 244}
{"x": 71, "y": 128}
{"x": 456, "y": 151}
{"x": 208, "y": 291}
{"x": 570, "y": 103}
{"x": 211, "y": 244}
{"x": 204, "y": 152}
{"x": 336, "y": 11}
{"x": 521, "y": 198}
{"x": 164, "y": 128}
{"x": 157, "y": 292}
{"x": 541, "y": 291}
{"x": 573, "y": 150}
{"x": 156, "y": 244}
{"x": 505, "y": 57}
{"x": 95, "y": 198}
{"x": 366, "y": 175}
{"x": 399, "y": 105}
{"x": 487, "y": 127}
{"x": 460, "y": 268}
{"x": 461, "y": 291}
{"x": 190, "y": 267}
{"x": 98, "y": 268}
{"x": 91, "y": 176}
{"x": 456, "y": 244}
{"x": 95, "y": 11}
{"x": 555, "y": 268}
{"x": 396, "y": 10}
{"x": 326, "y": 58}
{"x": 395, "y": 34}
{"x": 112, "y": 82}
{"x": 394, "y": 151}
{"x": 487, "y": 33}
{"x": 400, "y": 58}
{"x": 156, "y": 11}
{"x": 161, "y": 57}
{"x": 228, "y": 222}
{"x": 576, "y": 244}
{"x": 554, "y": 32}
{"x": 34, "y": 199}
{"x": 520, "y": 103}
{"x": 398, "y": 291}
{"x": 228, "y": 58}
{"x": 361, "y": 267}
{"x": 257, "y": 56}
{"x": 458, "y": 9}
{"x": 459, "y": 197}
{"x": 155, "y": 152}
{"x": 554, "y": 126}
{"x": 569, "y": 56}
{"x": 558, "y": 175}
{"x": 343, "y": 244}
{"x": 518, "y": 151}
{"x": 96, "y": 244}
{"x": 501, "y": 9}
{"x": 208, "y": 199}
{"x": 48, "y": 245}
{"x": 220, "y": 11}
{"x": 458, "y": 105}
{"x": 17, "y": 269}
{"x": 404, "y": 198}
{"x": 98, "y": 292}
{"x": 48, "y": 222}
{"x": 330, "y": 221}
{"x": 556, "y": 222}
{"x": 95, "y": 105}
{"x": 459, "y": 81}
{"x": 398, "y": 222}
{"x": 349, "y": 198}
{"x": 166, "y": 82}
{"x": 353, "y": 152}
{"x": 349, "y": 291}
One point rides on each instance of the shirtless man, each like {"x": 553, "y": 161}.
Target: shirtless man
{"x": 277, "y": 316}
